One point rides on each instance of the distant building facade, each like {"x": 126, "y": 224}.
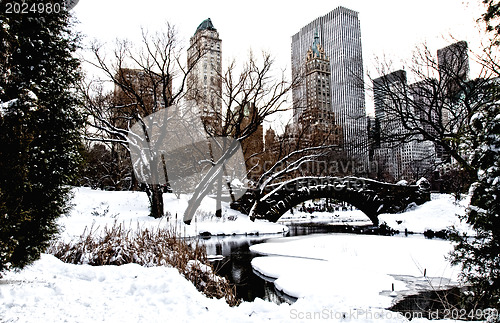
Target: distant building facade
{"x": 204, "y": 84}
{"x": 316, "y": 125}
{"x": 402, "y": 156}
{"x": 453, "y": 64}
{"x": 453, "y": 70}
{"x": 340, "y": 34}
{"x": 317, "y": 121}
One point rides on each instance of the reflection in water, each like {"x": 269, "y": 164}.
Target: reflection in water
{"x": 236, "y": 266}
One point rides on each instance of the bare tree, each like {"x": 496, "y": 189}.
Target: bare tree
{"x": 439, "y": 106}
{"x": 247, "y": 98}
{"x": 143, "y": 80}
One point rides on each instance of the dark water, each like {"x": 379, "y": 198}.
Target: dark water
{"x": 237, "y": 268}
{"x": 431, "y": 305}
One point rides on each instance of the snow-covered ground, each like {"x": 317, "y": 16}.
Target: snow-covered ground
{"x": 52, "y": 291}
{"x": 440, "y": 213}
{"x": 96, "y": 209}
{"x": 339, "y": 277}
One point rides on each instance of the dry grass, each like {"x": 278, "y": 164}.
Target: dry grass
{"x": 159, "y": 247}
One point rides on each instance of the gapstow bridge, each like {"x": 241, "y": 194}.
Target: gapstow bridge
{"x": 369, "y": 196}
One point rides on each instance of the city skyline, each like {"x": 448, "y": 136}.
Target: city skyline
{"x": 386, "y": 26}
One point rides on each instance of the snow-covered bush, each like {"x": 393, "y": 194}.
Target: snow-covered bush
{"x": 159, "y": 247}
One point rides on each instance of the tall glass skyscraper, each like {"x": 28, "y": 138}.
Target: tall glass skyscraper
{"x": 340, "y": 33}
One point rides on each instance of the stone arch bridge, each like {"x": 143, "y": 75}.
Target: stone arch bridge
{"x": 370, "y": 196}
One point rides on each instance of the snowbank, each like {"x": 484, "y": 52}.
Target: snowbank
{"x": 438, "y": 214}
{"x": 52, "y": 291}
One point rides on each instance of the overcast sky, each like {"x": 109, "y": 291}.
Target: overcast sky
{"x": 388, "y": 27}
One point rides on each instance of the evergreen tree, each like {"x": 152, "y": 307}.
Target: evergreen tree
{"x": 479, "y": 256}
{"x": 39, "y": 130}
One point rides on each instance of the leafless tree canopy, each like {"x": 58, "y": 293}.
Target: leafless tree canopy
{"x": 152, "y": 77}
{"x": 143, "y": 79}
{"x": 248, "y": 97}
{"x": 440, "y": 105}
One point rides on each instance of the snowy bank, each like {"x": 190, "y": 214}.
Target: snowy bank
{"x": 53, "y": 291}
{"x": 96, "y": 209}
{"x": 441, "y": 213}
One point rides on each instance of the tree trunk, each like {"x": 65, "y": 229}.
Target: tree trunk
{"x": 218, "y": 204}
{"x": 155, "y": 194}
{"x": 229, "y": 187}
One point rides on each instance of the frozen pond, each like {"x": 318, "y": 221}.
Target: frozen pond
{"x": 358, "y": 269}
{"x": 236, "y": 266}
{"x": 237, "y": 257}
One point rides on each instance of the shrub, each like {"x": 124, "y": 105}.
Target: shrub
{"x": 158, "y": 247}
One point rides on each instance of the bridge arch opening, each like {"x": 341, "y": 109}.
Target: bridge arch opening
{"x": 284, "y": 205}
{"x": 325, "y": 210}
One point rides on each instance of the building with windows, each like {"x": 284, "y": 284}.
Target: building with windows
{"x": 204, "y": 85}
{"x": 339, "y": 33}
{"x": 316, "y": 125}
{"x": 401, "y": 154}
{"x": 423, "y": 94}
{"x": 317, "y": 121}
{"x": 453, "y": 64}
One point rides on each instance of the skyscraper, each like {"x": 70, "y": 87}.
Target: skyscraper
{"x": 317, "y": 77}
{"x": 339, "y": 32}
{"x": 402, "y": 154}
{"x": 204, "y": 82}
{"x": 453, "y": 63}
{"x": 317, "y": 120}
{"x": 386, "y": 119}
